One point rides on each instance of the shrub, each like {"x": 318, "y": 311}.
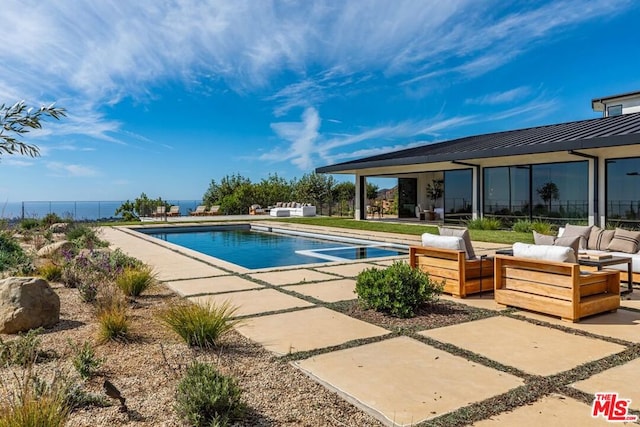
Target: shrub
{"x": 542, "y": 227}
{"x": 522, "y": 226}
{"x": 135, "y": 280}
{"x": 29, "y": 224}
{"x": 23, "y": 350}
{"x": 113, "y": 323}
{"x": 484, "y": 223}
{"x": 207, "y": 398}
{"x": 85, "y": 361}
{"x": 51, "y": 272}
{"x": 398, "y": 290}
{"x": 29, "y": 409}
{"x": 200, "y": 326}
{"x": 12, "y": 256}
{"x": 84, "y": 236}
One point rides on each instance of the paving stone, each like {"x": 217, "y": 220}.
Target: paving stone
{"x": 212, "y": 285}
{"x": 335, "y": 290}
{"x": 289, "y": 277}
{"x": 347, "y": 270}
{"x": 484, "y": 300}
{"x": 631, "y": 300}
{"x": 254, "y": 302}
{"x": 623, "y": 324}
{"x": 531, "y": 348}
{"x": 623, "y": 379}
{"x": 306, "y": 330}
{"x": 551, "y": 411}
{"x": 404, "y": 381}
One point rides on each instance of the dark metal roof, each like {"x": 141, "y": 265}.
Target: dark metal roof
{"x": 584, "y": 134}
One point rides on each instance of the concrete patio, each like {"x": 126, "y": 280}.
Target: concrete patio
{"x": 405, "y": 380}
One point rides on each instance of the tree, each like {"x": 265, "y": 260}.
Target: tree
{"x": 548, "y": 192}
{"x": 141, "y": 206}
{"x": 18, "y": 119}
{"x": 272, "y": 190}
{"x": 345, "y": 193}
{"x": 372, "y": 191}
{"x": 228, "y": 185}
{"x": 315, "y": 188}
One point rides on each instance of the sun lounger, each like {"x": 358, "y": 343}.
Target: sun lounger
{"x": 174, "y": 211}
{"x": 214, "y": 210}
{"x": 160, "y": 211}
{"x": 200, "y": 210}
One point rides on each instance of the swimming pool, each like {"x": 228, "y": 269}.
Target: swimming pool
{"x": 261, "y": 247}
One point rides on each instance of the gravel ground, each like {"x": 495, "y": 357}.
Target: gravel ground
{"x": 147, "y": 369}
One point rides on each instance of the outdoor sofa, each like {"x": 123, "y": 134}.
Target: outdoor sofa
{"x": 292, "y": 209}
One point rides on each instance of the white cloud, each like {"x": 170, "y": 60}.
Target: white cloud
{"x": 99, "y": 52}
{"x": 15, "y": 162}
{"x": 72, "y": 170}
{"x": 505, "y": 97}
{"x": 302, "y": 137}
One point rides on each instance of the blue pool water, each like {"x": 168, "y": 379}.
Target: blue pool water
{"x": 259, "y": 249}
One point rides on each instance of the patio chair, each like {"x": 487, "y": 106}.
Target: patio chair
{"x": 200, "y": 210}
{"x": 214, "y": 210}
{"x": 256, "y": 210}
{"x": 160, "y": 211}
{"x": 452, "y": 260}
{"x": 174, "y": 211}
{"x": 547, "y": 279}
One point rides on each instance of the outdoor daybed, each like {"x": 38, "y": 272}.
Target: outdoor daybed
{"x": 547, "y": 279}
{"x": 451, "y": 259}
{"x": 292, "y": 209}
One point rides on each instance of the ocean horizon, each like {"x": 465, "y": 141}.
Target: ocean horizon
{"x": 77, "y": 210}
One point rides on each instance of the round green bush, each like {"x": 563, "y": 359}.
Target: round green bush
{"x": 398, "y": 290}
{"x": 206, "y": 397}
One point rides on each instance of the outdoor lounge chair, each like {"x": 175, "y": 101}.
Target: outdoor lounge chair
{"x": 545, "y": 279}
{"x": 214, "y": 210}
{"x": 200, "y": 210}
{"x": 174, "y": 211}
{"x": 160, "y": 211}
{"x": 256, "y": 210}
{"x": 450, "y": 259}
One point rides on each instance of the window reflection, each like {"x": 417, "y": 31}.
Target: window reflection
{"x": 548, "y": 192}
{"x": 623, "y": 191}
{"x": 458, "y": 195}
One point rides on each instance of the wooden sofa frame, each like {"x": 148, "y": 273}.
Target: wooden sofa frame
{"x": 462, "y": 276}
{"x": 555, "y": 288}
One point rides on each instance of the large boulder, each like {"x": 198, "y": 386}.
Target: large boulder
{"x": 27, "y": 303}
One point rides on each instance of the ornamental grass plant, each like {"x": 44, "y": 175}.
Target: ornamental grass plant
{"x": 200, "y": 325}
{"x": 133, "y": 281}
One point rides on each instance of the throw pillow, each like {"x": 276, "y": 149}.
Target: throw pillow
{"x": 569, "y": 241}
{"x": 624, "y": 241}
{"x": 544, "y": 252}
{"x": 582, "y": 231}
{"x": 459, "y": 232}
{"x": 543, "y": 239}
{"x": 599, "y": 239}
{"x": 443, "y": 242}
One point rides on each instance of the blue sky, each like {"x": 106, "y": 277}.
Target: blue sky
{"x": 164, "y": 96}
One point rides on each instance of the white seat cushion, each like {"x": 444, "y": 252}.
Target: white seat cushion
{"x": 544, "y": 252}
{"x": 443, "y": 242}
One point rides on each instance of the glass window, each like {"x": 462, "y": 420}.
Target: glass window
{"x": 614, "y": 110}
{"x": 623, "y": 191}
{"x": 552, "y": 191}
{"x": 561, "y": 191}
{"x": 458, "y": 194}
{"x": 506, "y": 191}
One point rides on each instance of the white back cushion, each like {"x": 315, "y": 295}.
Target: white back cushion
{"x": 443, "y": 242}
{"x": 544, "y": 252}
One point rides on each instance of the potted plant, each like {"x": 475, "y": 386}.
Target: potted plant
{"x": 435, "y": 191}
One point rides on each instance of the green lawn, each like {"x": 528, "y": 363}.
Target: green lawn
{"x": 496, "y": 236}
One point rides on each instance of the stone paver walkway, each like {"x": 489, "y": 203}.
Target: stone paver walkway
{"x": 416, "y": 377}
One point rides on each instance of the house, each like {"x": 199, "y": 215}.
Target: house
{"x": 587, "y": 171}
